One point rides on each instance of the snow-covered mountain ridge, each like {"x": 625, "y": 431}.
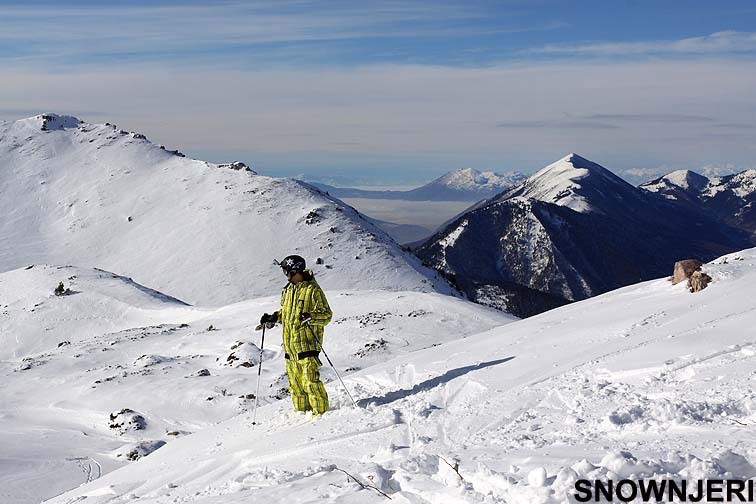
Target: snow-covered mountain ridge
{"x": 649, "y": 381}
{"x": 729, "y": 198}
{"x": 95, "y": 195}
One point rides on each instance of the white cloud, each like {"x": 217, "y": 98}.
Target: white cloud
{"x": 723, "y": 42}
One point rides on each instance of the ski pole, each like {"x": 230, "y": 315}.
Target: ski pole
{"x": 338, "y": 375}
{"x": 259, "y": 374}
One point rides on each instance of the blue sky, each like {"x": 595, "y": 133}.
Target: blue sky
{"x": 398, "y": 92}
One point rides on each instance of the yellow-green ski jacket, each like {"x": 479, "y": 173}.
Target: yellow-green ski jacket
{"x": 296, "y": 299}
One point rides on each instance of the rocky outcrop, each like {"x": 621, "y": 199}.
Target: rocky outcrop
{"x": 244, "y": 354}
{"x": 690, "y": 270}
{"x": 140, "y": 449}
{"x": 698, "y": 281}
{"x": 684, "y": 269}
{"x": 127, "y": 420}
{"x": 237, "y": 165}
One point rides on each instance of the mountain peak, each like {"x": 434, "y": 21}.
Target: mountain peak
{"x": 686, "y": 179}
{"x": 575, "y": 159}
{"x": 671, "y": 183}
{"x": 572, "y": 181}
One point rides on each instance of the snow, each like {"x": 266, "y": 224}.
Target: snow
{"x": 687, "y": 180}
{"x": 111, "y": 371}
{"x": 470, "y": 179}
{"x": 95, "y": 195}
{"x": 452, "y": 237}
{"x": 742, "y": 184}
{"x": 679, "y": 178}
{"x": 647, "y": 381}
{"x": 560, "y": 183}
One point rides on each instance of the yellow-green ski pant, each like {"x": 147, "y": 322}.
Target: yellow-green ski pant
{"x": 307, "y": 391}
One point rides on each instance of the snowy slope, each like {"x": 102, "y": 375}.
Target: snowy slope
{"x": 465, "y": 184}
{"x": 94, "y": 195}
{"x": 67, "y": 363}
{"x": 646, "y": 381}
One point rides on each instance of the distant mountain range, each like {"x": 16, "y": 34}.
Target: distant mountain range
{"x": 466, "y": 184}
{"x": 574, "y": 230}
{"x": 730, "y": 198}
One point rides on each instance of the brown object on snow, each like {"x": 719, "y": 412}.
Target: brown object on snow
{"x": 698, "y": 281}
{"x": 684, "y": 269}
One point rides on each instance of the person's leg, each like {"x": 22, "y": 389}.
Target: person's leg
{"x": 313, "y": 387}
{"x": 298, "y": 393}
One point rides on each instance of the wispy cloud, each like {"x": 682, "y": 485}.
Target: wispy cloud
{"x": 646, "y": 118}
{"x": 723, "y": 42}
{"x": 557, "y": 124}
{"x": 738, "y": 126}
{"x": 610, "y": 121}
{"x": 256, "y": 31}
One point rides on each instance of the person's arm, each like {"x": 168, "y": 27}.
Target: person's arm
{"x": 321, "y": 313}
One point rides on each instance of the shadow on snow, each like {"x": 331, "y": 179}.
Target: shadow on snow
{"x": 429, "y": 384}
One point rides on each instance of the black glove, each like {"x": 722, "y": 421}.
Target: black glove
{"x": 268, "y": 318}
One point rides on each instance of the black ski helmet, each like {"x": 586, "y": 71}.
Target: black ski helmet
{"x": 293, "y": 264}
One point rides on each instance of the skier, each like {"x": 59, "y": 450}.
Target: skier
{"x": 304, "y": 313}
